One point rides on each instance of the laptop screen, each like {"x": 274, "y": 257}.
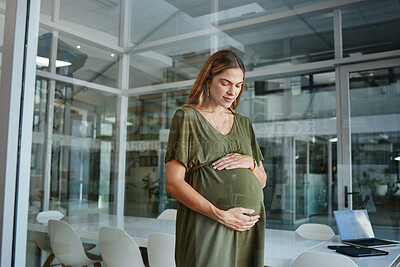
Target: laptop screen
{"x": 353, "y": 224}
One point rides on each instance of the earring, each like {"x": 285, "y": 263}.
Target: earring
{"x": 208, "y": 91}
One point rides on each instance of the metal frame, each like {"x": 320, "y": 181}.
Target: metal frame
{"x": 14, "y": 100}
{"x": 122, "y": 108}
{"x": 22, "y": 201}
{"x": 48, "y": 133}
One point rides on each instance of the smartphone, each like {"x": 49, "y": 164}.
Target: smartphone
{"x": 361, "y": 252}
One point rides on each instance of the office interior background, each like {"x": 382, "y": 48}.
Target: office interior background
{"x": 101, "y": 80}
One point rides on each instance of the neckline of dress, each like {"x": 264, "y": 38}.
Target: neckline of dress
{"x": 227, "y": 135}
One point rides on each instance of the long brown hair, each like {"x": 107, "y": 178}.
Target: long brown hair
{"x": 215, "y": 64}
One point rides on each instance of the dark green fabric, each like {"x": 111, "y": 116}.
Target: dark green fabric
{"x": 201, "y": 241}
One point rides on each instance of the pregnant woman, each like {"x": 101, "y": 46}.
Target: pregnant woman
{"x": 214, "y": 169}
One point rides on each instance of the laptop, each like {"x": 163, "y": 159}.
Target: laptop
{"x": 355, "y": 229}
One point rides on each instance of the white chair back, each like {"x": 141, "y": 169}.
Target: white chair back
{"x": 42, "y": 239}
{"x": 118, "y": 249}
{"x": 161, "y": 250}
{"x": 315, "y": 231}
{"x": 168, "y": 214}
{"x": 316, "y": 259}
{"x": 45, "y": 216}
{"x": 67, "y": 245}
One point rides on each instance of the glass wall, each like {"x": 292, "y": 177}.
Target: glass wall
{"x": 294, "y": 120}
{"x": 92, "y": 85}
{"x": 375, "y": 98}
{"x": 371, "y": 27}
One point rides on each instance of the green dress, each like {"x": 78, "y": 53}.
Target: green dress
{"x": 201, "y": 241}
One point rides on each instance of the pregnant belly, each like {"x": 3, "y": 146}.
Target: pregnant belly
{"x": 229, "y": 188}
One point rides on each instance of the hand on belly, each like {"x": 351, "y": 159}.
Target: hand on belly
{"x": 238, "y": 219}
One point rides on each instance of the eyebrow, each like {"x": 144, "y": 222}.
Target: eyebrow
{"x": 230, "y": 81}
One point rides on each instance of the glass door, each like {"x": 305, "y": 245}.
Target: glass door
{"x": 374, "y": 100}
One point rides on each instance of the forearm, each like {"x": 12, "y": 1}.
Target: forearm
{"x": 236, "y": 160}
{"x": 189, "y": 197}
{"x": 238, "y": 218}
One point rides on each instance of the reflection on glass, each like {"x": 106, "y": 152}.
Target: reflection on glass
{"x": 142, "y": 178}
{"x": 158, "y": 19}
{"x": 243, "y": 10}
{"x": 99, "y": 18}
{"x": 283, "y": 43}
{"x": 300, "y": 154}
{"x": 79, "y": 167}
{"x": 78, "y": 59}
{"x": 371, "y": 27}
{"x": 309, "y": 96}
{"x": 174, "y": 62}
{"x": 375, "y": 138}
{"x": 301, "y": 181}
{"x": 148, "y": 117}
{"x": 375, "y": 92}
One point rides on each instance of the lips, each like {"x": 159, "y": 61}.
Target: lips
{"x": 229, "y": 99}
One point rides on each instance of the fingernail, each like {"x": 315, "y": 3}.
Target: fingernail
{"x": 252, "y": 211}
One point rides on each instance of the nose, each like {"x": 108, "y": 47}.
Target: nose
{"x": 231, "y": 90}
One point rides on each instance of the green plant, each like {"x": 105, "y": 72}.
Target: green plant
{"x": 150, "y": 186}
{"x": 385, "y": 180}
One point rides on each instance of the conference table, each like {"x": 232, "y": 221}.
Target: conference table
{"x": 282, "y": 247}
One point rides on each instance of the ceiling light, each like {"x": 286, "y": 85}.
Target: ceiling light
{"x": 112, "y": 55}
{"x": 397, "y": 158}
{"x": 333, "y": 140}
{"x": 78, "y": 46}
{"x": 44, "y": 62}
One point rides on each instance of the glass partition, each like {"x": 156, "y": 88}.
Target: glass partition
{"x": 75, "y": 146}
{"x": 173, "y": 62}
{"x": 307, "y": 96}
{"x": 147, "y": 136}
{"x": 100, "y": 18}
{"x": 294, "y": 121}
{"x": 375, "y": 145}
{"x": 78, "y": 59}
{"x": 371, "y": 27}
{"x": 285, "y": 42}
{"x": 79, "y": 166}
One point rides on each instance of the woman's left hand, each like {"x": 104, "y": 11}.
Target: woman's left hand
{"x": 234, "y": 161}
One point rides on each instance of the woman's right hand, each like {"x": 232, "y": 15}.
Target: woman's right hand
{"x": 238, "y": 219}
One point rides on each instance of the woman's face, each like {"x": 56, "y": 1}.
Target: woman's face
{"x": 225, "y": 87}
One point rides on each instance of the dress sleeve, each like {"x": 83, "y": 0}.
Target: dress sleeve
{"x": 179, "y": 139}
{"x": 257, "y": 155}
